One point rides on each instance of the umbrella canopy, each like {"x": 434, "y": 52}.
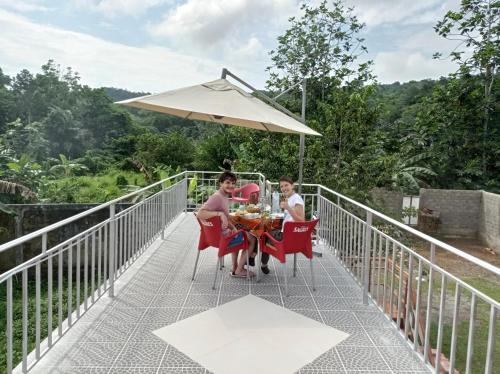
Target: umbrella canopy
{"x": 222, "y": 102}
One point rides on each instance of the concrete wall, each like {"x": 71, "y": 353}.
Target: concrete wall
{"x": 489, "y": 225}
{"x": 460, "y": 210}
{"x": 389, "y": 201}
{"x": 32, "y": 217}
{"x": 466, "y": 214}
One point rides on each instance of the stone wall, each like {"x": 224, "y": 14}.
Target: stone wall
{"x": 391, "y": 202}
{"x": 32, "y": 217}
{"x": 489, "y": 225}
{"x": 459, "y": 210}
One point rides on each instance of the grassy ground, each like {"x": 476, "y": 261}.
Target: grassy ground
{"x": 481, "y": 329}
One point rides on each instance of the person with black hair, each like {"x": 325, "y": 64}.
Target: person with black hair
{"x": 218, "y": 205}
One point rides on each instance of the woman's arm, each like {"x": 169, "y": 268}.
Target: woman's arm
{"x": 207, "y": 214}
{"x": 297, "y": 211}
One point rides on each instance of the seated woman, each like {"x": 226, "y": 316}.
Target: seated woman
{"x": 293, "y": 206}
{"x": 218, "y": 205}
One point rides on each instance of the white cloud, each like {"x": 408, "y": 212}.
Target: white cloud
{"x": 24, "y": 44}
{"x": 23, "y": 6}
{"x": 112, "y": 8}
{"x": 210, "y": 21}
{"x": 403, "y": 66}
{"x": 375, "y": 13}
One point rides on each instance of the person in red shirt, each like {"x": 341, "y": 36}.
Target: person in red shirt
{"x": 218, "y": 205}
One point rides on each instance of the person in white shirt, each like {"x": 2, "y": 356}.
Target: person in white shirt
{"x": 293, "y": 206}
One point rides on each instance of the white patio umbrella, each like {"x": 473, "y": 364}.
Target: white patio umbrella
{"x": 222, "y": 102}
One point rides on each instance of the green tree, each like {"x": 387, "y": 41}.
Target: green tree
{"x": 477, "y": 28}
{"x": 322, "y": 43}
{"x": 171, "y": 149}
{"x": 6, "y": 101}
{"x": 212, "y": 151}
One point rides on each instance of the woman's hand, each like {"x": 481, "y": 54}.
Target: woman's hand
{"x": 284, "y": 205}
{"x": 223, "y": 220}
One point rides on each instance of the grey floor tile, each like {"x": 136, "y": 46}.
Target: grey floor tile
{"x": 175, "y": 359}
{"x": 235, "y": 289}
{"x": 123, "y": 370}
{"x": 357, "y": 337}
{"x": 168, "y": 301}
{"x": 361, "y": 358}
{"x": 313, "y": 314}
{"x": 69, "y": 370}
{"x": 160, "y": 315}
{"x": 385, "y": 336}
{"x": 401, "y": 359}
{"x": 227, "y": 298}
{"x": 329, "y": 361}
{"x": 339, "y": 318}
{"x": 299, "y": 302}
{"x": 182, "y": 370}
{"x": 349, "y": 291}
{"x": 144, "y": 333}
{"x": 84, "y": 354}
{"x": 326, "y": 291}
{"x": 296, "y": 290}
{"x": 122, "y": 316}
{"x": 189, "y": 312}
{"x": 273, "y": 299}
{"x": 141, "y": 354}
{"x": 132, "y": 300}
{"x": 201, "y": 301}
{"x": 265, "y": 289}
{"x": 111, "y": 333}
{"x": 372, "y": 319}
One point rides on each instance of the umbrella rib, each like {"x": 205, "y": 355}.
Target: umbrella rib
{"x": 187, "y": 117}
{"x": 263, "y": 124}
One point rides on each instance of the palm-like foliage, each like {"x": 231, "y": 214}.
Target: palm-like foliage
{"x": 408, "y": 175}
{"x": 66, "y": 167}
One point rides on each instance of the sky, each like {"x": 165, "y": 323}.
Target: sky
{"x": 158, "y": 45}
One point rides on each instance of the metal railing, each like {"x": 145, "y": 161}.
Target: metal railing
{"x": 64, "y": 280}
{"x": 433, "y": 309}
{"x": 436, "y": 312}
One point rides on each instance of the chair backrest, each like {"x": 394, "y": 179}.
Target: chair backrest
{"x": 297, "y": 236}
{"x": 247, "y": 191}
{"x": 211, "y": 231}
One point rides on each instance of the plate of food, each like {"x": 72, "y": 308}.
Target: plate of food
{"x": 251, "y": 208}
{"x": 251, "y": 215}
{"x": 277, "y": 215}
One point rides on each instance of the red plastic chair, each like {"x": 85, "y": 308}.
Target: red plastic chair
{"x": 246, "y": 193}
{"x": 297, "y": 238}
{"x": 211, "y": 236}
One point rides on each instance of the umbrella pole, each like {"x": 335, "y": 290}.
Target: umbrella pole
{"x": 302, "y": 136}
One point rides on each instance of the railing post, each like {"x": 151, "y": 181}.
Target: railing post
{"x": 185, "y": 184}
{"x": 112, "y": 247}
{"x": 163, "y": 212}
{"x": 367, "y": 256}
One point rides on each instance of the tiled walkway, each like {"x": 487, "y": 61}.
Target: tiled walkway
{"x": 115, "y": 335}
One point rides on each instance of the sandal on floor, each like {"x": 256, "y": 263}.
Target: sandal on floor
{"x": 242, "y": 275}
